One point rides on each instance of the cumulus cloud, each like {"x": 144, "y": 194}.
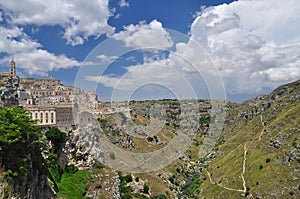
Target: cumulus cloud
{"x": 80, "y": 19}
{"x": 143, "y": 35}
{"x": 13, "y": 40}
{"x": 157, "y": 73}
{"x": 253, "y": 43}
{"x": 29, "y": 54}
{"x": 40, "y": 61}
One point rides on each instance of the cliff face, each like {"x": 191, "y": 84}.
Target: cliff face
{"x": 8, "y": 90}
{"x": 34, "y": 182}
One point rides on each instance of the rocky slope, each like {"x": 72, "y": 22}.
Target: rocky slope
{"x": 259, "y": 151}
{"x": 8, "y": 90}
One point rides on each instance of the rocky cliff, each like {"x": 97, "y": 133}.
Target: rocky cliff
{"x": 8, "y": 90}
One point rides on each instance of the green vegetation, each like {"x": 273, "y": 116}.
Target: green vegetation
{"x": 18, "y": 138}
{"x": 204, "y": 120}
{"x": 73, "y": 185}
{"x": 57, "y": 139}
{"x": 146, "y": 189}
{"x": 128, "y": 178}
{"x": 269, "y": 168}
{"x": 192, "y": 188}
{"x": 21, "y": 146}
{"x": 125, "y": 190}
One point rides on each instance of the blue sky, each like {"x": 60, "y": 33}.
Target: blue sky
{"x": 179, "y": 48}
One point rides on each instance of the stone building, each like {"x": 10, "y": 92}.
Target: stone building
{"x": 49, "y": 101}
{"x": 12, "y": 69}
{"x": 60, "y": 116}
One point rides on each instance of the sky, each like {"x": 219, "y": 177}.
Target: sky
{"x": 153, "y": 49}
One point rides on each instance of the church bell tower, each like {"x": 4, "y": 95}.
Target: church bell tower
{"x": 12, "y": 67}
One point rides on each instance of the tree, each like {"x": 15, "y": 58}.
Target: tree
{"x": 56, "y": 137}
{"x": 20, "y": 140}
{"x": 146, "y": 189}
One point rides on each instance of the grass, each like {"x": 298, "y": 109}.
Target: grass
{"x": 73, "y": 185}
{"x": 275, "y": 176}
{"x": 196, "y": 181}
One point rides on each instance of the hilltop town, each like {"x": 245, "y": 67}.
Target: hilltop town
{"x": 48, "y": 100}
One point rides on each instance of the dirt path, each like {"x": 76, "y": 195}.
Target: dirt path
{"x": 227, "y": 188}
{"x": 244, "y": 168}
{"x": 263, "y": 130}
{"x": 244, "y": 190}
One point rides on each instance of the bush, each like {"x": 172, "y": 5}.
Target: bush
{"x": 112, "y": 156}
{"x": 146, "y": 189}
{"x": 126, "y": 196}
{"x": 98, "y": 165}
{"x": 70, "y": 169}
{"x": 57, "y": 138}
{"x": 137, "y": 179}
{"x": 268, "y": 160}
{"x": 161, "y": 196}
{"x": 128, "y": 178}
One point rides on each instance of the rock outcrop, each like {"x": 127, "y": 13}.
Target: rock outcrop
{"x": 83, "y": 148}
{"x": 8, "y": 90}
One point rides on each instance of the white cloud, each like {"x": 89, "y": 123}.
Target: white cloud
{"x": 137, "y": 75}
{"x": 143, "y": 35}
{"x": 174, "y": 72}
{"x": 123, "y": 3}
{"x": 13, "y": 40}
{"x": 29, "y": 54}
{"x": 105, "y": 58}
{"x": 255, "y": 44}
{"x": 80, "y": 19}
{"x": 40, "y": 61}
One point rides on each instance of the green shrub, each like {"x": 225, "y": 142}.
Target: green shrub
{"x": 98, "y": 165}
{"x": 128, "y": 178}
{"x": 146, "y": 189}
{"x": 126, "y": 196}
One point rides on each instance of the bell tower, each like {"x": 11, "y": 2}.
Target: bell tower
{"x": 12, "y": 67}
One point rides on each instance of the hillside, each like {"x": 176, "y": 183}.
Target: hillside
{"x": 260, "y": 152}
{"x": 257, "y": 154}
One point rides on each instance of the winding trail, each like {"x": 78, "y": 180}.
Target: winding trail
{"x": 244, "y": 168}
{"x": 227, "y": 188}
{"x": 244, "y": 190}
{"x": 263, "y": 130}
